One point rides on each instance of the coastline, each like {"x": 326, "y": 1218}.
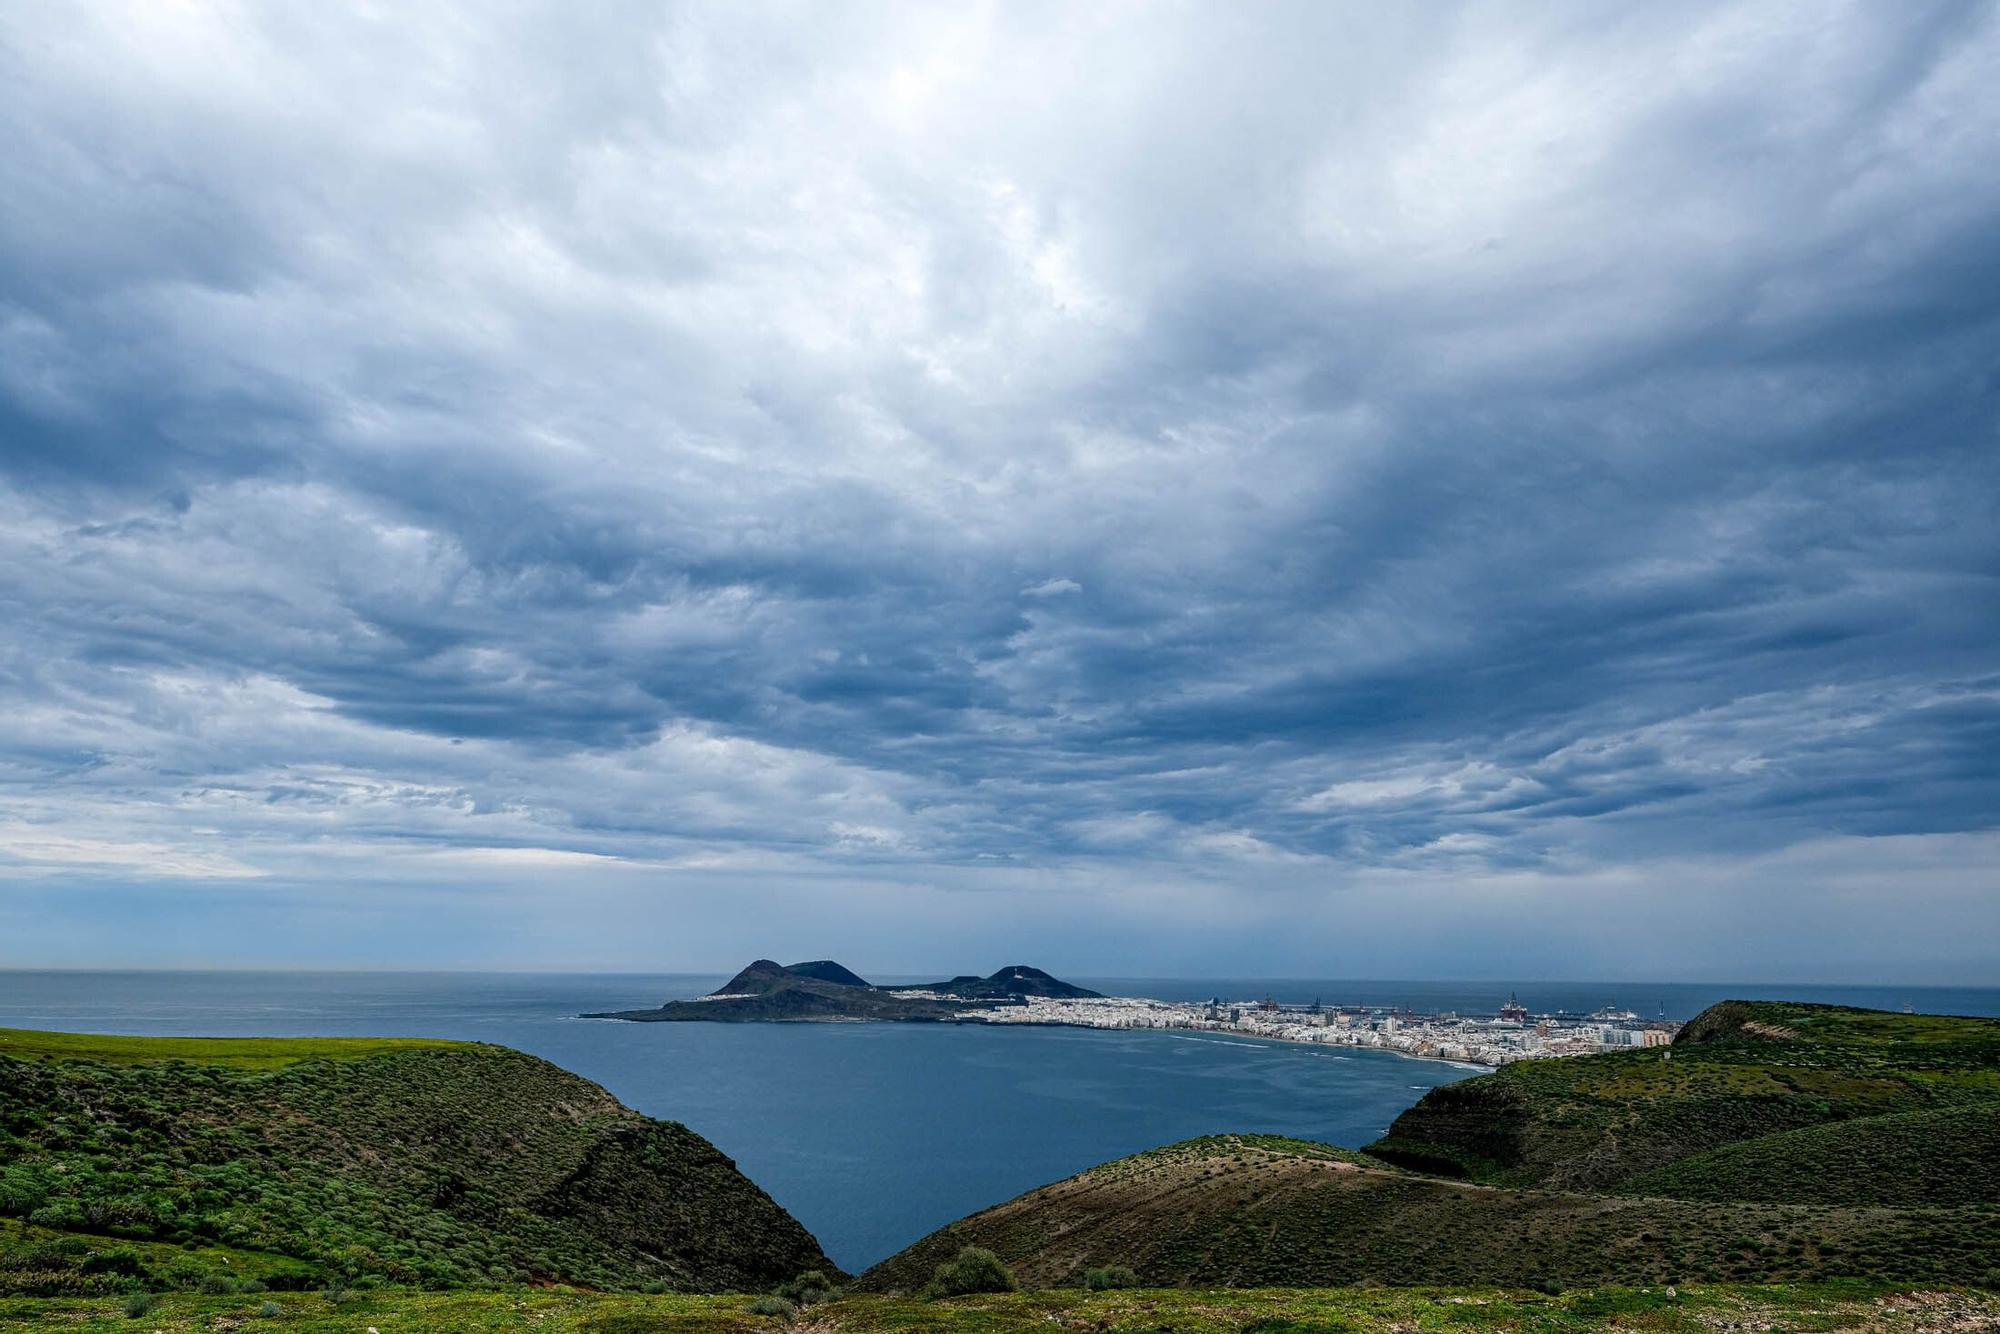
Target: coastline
{"x": 823, "y": 991}
{"x": 982, "y": 1021}
{"x": 1212, "y": 1035}
{"x": 1476, "y": 1042}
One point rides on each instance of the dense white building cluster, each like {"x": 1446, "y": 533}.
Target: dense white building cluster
{"x": 1494, "y": 1041}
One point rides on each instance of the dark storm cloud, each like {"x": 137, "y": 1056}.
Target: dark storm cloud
{"x": 1263, "y": 449}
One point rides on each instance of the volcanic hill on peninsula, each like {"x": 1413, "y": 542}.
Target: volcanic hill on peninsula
{"x": 824, "y": 991}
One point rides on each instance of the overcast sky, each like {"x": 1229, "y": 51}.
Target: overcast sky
{"x": 1314, "y": 490}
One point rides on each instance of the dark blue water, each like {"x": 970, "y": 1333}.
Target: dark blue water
{"x": 872, "y": 1134}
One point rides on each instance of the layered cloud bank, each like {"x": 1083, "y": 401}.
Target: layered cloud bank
{"x": 1313, "y": 487}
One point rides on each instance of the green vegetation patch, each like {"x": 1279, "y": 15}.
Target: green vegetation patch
{"x": 1740, "y": 1071}
{"x": 1950, "y": 1156}
{"x": 1264, "y": 1220}
{"x": 1144, "y": 1311}
{"x": 1832, "y": 1025}
{"x": 37, "y": 1261}
{"x": 1224, "y": 1150}
{"x": 24, "y": 1044}
{"x": 424, "y": 1164}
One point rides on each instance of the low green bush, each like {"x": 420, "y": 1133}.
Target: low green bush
{"x": 974, "y": 1269}
{"x": 808, "y": 1288}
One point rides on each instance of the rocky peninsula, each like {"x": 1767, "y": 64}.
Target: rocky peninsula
{"x": 823, "y": 991}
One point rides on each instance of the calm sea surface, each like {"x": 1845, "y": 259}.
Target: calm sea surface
{"x": 873, "y": 1134}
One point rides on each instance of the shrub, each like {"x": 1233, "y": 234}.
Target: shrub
{"x": 773, "y": 1305}
{"x": 185, "y": 1273}
{"x": 61, "y": 1214}
{"x": 339, "y": 1294}
{"x": 270, "y": 1310}
{"x": 23, "y": 1279}
{"x": 140, "y": 1303}
{"x": 216, "y": 1284}
{"x": 1109, "y": 1277}
{"x": 123, "y": 1262}
{"x": 808, "y": 1288}
{"x": 974, "y": 1269}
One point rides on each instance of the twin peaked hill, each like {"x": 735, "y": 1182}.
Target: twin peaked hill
{"x": 824, "y": 991}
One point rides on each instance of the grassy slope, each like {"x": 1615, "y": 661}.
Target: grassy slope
{"x": 1776, "y": 1140}
{"x": 36, "y": 1261}
{"x": 425, "y": 1163}
{"x": 1939, "y": 1157}
{"x": 27, "y": 1044}
{"x": 1834, "y": 1025}
{"x": 1255, "y": 1211}
{"x": 562, "y": 1311}
{"x": 1740, "y": 1071}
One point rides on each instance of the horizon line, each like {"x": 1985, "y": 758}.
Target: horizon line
{"x": 353, "y": 970}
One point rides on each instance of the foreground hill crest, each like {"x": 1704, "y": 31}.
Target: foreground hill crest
{"x": 438, "y": 1164}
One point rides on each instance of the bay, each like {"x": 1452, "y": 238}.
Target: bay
{"x": 874, "y": 1134}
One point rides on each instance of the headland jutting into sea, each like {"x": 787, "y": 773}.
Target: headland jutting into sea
{"x": 822, "y": 991}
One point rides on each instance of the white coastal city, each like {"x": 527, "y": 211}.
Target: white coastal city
{"x": 1511, "y": 1034}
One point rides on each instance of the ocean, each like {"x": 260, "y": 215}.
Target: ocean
{"x": 874, "y": 1134}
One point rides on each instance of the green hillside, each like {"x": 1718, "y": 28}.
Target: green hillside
{"x": 1260, "y": 1211}
{"x": 28, "y": 1044}
{"x": 1885, "y": 1031}
{"x": 1770, "y": 1141}
{"x": 1912, "y": 1158}
{"x": 1740, "y": 1070}
{"x": 126, "y": 1161}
